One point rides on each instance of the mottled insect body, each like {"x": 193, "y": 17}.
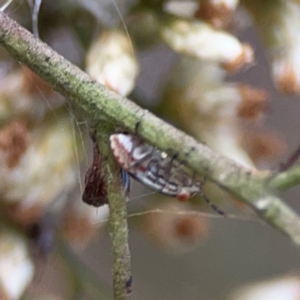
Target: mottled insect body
{"x": 154, "y": 168}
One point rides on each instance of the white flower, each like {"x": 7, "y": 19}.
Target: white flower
{"x": 200, "y": 40}
{"x": 16, "y": 267}
{"x": 112, "y": 62}
{"x": 276, "y": 289}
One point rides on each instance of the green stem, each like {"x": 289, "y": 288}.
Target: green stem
{"x": 118, "y": 215}
{"x": 286, "y": 179}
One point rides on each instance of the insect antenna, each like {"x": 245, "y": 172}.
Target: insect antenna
{"x": 212, "y": 205}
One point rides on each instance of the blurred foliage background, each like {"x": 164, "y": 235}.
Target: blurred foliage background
{"x": 226, "y": 72}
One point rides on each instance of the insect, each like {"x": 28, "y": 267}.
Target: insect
{"x": 155, "y": 168}
{"x": 95, "y": 192}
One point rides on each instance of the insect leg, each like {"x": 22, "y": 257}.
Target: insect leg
{"x": 212, "y": 205}
{"x": 125, "y": 181}
{"x": 167, "y": 171}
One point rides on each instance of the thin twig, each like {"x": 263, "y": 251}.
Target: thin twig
{"x": 117, "y": 216}
{"x": 284, "y": 180}
{"x": 291, "y": 160}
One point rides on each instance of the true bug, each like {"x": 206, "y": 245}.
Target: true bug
{"x": 155, "y": 168}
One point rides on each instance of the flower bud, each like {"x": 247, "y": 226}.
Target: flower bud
{"x": 217, "y": 12}
{"x": 16, "y": 267}
{"x": 200, "y": 40}
{"x": 282, "y": 288}
{"x": 185, "y": 9}
{"x": 279, "y": 25}
{"x": 112, "y": 62}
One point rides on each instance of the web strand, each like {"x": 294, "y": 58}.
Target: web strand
{"x": 35, "y": 8}
{"x": 5, "y": 5}
{"x": 191, "y": 213}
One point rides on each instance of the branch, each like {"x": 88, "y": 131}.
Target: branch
{"x": 117, "y": 216}
{"x": 284, "y": 180}
{"x": 99, "y": 103}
